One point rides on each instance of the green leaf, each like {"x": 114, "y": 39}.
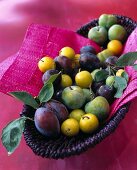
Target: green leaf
{"x": 125, "y": 75}
{"x": 127, "y": 59}
{"x": 46, "y": 93}
{"x": 135, "y": 66}
{"x": 25, "y": 97}
{"x": 120, "y": 84}
{"x": 101, "y": 75}
{"x": 52, "y": 78}
{"x": 12, "y": 133}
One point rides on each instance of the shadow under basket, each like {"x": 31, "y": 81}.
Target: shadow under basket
{"x": 63, "y": 146}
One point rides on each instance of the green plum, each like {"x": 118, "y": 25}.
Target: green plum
{"x": 88, "y": 95}
{"x": 110, "y": 80}
{"x": 99, "y": 107}
{"x": 117, "y": 32}
{"x": 98, "y": 34}
{"x": 103, "y": 55}
{"x": 73, "y": 97}
{"x": 107, "y": 21}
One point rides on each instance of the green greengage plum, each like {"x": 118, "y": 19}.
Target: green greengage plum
{"x": 99, "y": 107}
{"x": 98, "y": 34}
{"x": 73, "y": 97}
{"x": 117, "y": 32}
{"x": 110, "y": 80}
{"x": 106, "y": 20}
{"x": 103, "y": 55}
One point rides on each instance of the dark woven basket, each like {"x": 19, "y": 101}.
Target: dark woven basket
{"x": 63, "y": 146}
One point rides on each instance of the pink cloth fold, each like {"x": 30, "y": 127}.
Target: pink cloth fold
{"x": 131, "y": 91}
{"x": 20, "y": 71}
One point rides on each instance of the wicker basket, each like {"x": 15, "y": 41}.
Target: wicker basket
{"x": 63, "y": 146}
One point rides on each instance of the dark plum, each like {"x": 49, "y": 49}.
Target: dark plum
{"x": 111, "y": 60}
{"x": 107, "y": 92}
{"x": 46, "y": 122}
{"x": 96, "y": 85}
{"x": 64, "y": 64}
{"x": 49, "y": 73}
{"x": 58, "y": 108}
{"x": 74, "y": 72}
{"x": 89, "y": 61}
{"x": 58, "y": 94}
{"x": 87, "y": 48}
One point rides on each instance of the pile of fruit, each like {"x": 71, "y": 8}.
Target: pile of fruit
{"x": 78, "y": 89}
{"x": 86, "y": 83}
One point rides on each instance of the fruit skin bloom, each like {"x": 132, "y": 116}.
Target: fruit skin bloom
{"x": 46, "y": 63}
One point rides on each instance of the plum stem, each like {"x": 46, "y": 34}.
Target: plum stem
{"x": 70, "y": 88}
{"x": 112, "y": 70}
{"x": 91, "y": 93}
{"x": 29, "y": 118}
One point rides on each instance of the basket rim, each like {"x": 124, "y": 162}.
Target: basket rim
{"x": 96, "y": 19}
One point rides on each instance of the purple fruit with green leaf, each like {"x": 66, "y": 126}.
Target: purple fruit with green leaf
{"x": 96, "y": 85}
{"x": 49, "y": 73}
{"x": 107, "y": 92}
{"x": 111, "y": 60}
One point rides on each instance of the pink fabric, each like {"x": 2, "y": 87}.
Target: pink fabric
{"x": 131, "y": 91}
{"x": 20, "y": 72}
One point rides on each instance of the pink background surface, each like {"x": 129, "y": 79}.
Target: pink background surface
{"x": 116, "y": 152}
